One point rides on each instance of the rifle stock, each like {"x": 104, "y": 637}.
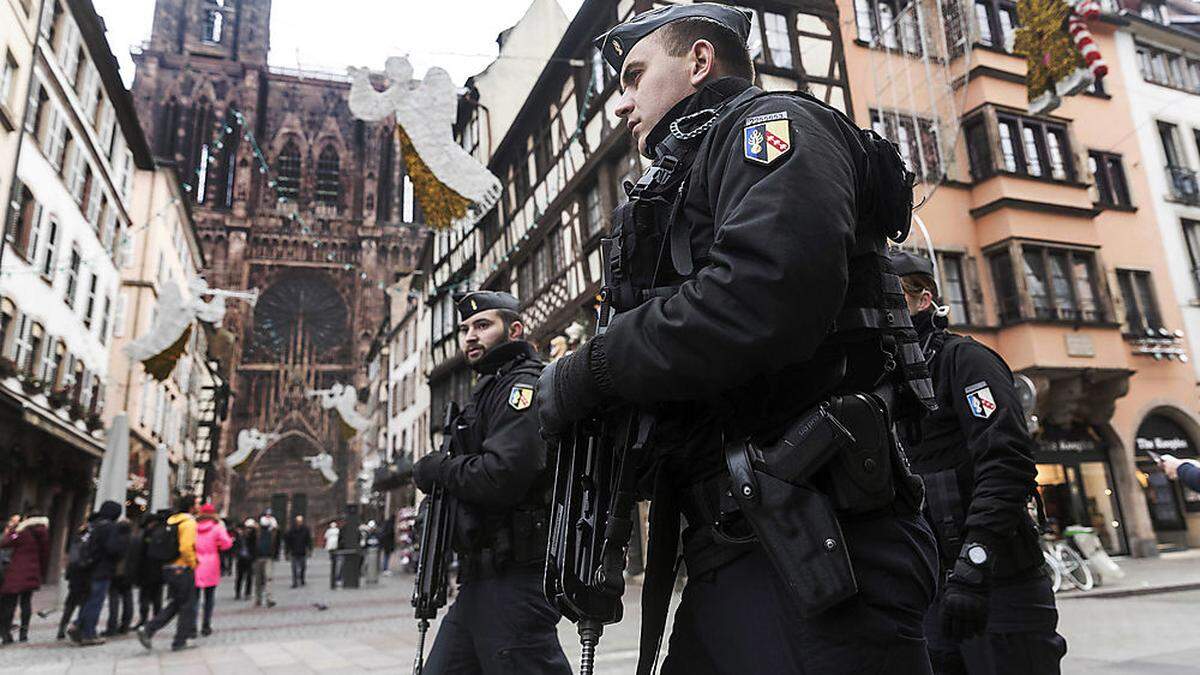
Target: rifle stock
{"x": 433, "y": 559}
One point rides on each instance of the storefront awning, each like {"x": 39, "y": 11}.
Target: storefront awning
{"x": 1165, "y": 436}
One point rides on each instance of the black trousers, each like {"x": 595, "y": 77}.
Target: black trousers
{"x": 739, "y": 619}
{"x": 120, "y": 605}
{"x": 1021, "y": 637}
{"x": 8, "y": 607}
{"x": 149, "y": 598}
{"x": 209, "y": 596}
{"x": 499, "y": 625}
{"x": 181, "y": 598}
{"x": 299, "y": 567}
{"x": 74, "y": 601}
{"x": 244, "y": 576}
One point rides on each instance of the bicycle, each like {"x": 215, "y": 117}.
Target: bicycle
{"x": 1066, "y": 564}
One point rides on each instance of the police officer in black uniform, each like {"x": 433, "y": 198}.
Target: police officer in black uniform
{"x": 755, "y": 304}
{"x": 995, "y": 609}
{"x": 500, "y": 622}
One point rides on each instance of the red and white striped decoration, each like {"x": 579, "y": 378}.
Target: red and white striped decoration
{"x": 1087, "y": 9}
{"x": 1082, "y": 37}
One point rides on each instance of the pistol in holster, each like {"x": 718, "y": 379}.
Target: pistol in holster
{"x": 835, "y": 460}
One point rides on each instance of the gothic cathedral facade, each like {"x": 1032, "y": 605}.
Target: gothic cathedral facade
{"x": 294, "y": 197}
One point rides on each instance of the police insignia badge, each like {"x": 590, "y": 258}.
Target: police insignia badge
{"x": 521, "y": 396}
{"x": 980, "y": 400}
{"x": 616, "y": 45}
{"x": 767, "y": 138}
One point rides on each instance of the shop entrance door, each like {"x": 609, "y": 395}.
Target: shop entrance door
{"x": 1081, "y": 493}
{"x": 1168, "y": 502}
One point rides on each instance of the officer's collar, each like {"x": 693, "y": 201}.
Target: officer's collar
{"x": 923, "y": 323}
{"x": 496, "y": 358}
{"x": 710, "y": 95}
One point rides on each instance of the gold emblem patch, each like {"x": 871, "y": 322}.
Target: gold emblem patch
{"x": 521, "y": 396}
{"x": 616, "y": 45}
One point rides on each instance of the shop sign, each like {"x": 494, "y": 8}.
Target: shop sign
{"x": 1075, "y": 441}
{"x": 1163, "y": 436}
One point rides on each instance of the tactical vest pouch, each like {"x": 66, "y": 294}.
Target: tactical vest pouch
{"x": 529, "y": 529}
{"x": 799, "y": 530}
{"x": 859, "y": 478}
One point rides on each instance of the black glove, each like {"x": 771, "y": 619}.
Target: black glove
{"x": 428, "y": 470}
{"x": 965, "y": 601}
{"x": 568, "y": 390}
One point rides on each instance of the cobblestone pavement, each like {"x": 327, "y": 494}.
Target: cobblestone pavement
{"x": 372, "y": 629}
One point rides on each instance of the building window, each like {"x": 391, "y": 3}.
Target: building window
{"x": 1141, "y": 309}
{"x": 1155, "y": 11}
{"x": 1027, "y": 147}
{"x": 329, "y": 185}
{"x": 1191, "y": 236}
{"x": 888, "y": 23}
{"x": 915, "y": 137}
{"x": 90, "y": 307}
{"x": 778, "y": 41}
{"x": 72, "y": 278}
{"x": 953, "y": 288}
{"x": 387, "y": 177}
{"x": 1181, "y": 178}
{"x": 1167, "y": 68}
{"x": 8, "y": 314}
{"x": 7, "y": 78}
{"x": 287, "y": 166}
{"x": 29, "y": 346}
{"x": 168, "y": 128}
{"x": 229, "y": 149}
{"x": 28, "y": 213}
{"x": 1111, "y": 186}
{"x": 996, "y": 23}
{"x": 1061, "y": 284}
{"x": 48, "y": 252}
{"x": 104, "y": 319}
{"x": 593, "y": 217}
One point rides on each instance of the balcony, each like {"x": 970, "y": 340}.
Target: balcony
{"x": 1183, "y": 184}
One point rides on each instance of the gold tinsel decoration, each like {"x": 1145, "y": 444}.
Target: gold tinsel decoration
{"x": 160, "y": 365}
{"x": 1050, "y": 55}
{"x": 441, "y": 205}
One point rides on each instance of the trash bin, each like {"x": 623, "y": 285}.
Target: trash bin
{"x": 371, "y": 569}
{"x": 349, "y": 565}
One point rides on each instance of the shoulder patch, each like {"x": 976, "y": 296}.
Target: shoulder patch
{"x": 980, "y": 400}
{"x": 767, "y": 137}
{"x": 521, "y": 396}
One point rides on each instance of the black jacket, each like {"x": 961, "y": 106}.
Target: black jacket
{"x": 979, "y": 431}
{"x": 298, "y": 541}
{"x": 108, "y": 542}
{"x": 266, "y": 543}
{"x": 771, "y": 246}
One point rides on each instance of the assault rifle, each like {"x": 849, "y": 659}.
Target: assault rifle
{"x": 591, "y": 515}
{"x": 433, "y": 558}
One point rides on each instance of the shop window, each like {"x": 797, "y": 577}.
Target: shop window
{"x": 1111, "y": 187}
{"x": 1141, "y": 309}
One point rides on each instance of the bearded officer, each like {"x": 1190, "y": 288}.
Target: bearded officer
{"x": 753, "y": 295}
{"x": 500, "y": 621}
{"x": 995, "y": 609}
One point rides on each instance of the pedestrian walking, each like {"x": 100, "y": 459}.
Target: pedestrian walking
{"x": 244, "y": 551}
{"x": 103, "y": 549}
{"x": 299, "y": 543}
{"x": 28, "y": 542}
{"x": 266, "y": 549}
{"x": 387, "y": 541}
{"x": 227, "y": 555}
{"x": 79, "y": 581}
{"x": 211, "y": 541}
{"x": 332, "y": 537}
{"x": 148, "y": 576}
{"x": 177, "y": 537}
{"x": 120, "y": 590}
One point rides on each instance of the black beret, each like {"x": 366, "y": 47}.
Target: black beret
{"x": 470, "y": 304}
{"x": 905, "y": 263}
{"x": 617, "y": 42}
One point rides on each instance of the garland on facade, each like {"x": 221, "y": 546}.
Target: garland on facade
{"x": 1061, "y": 56}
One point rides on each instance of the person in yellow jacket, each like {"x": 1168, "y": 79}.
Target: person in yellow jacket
{"x": 179, "y": 576}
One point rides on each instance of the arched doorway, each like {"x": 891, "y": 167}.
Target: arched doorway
{"x": 281, "y": 479}
{"x": 1165, "y": 431}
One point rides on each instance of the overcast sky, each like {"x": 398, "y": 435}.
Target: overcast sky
{"x": 458, "y": 35}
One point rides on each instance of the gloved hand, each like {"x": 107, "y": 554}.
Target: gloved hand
{"x": 428, "y": 470}
{"x": 964, "y": 609}
{"x": 567, "y": 390}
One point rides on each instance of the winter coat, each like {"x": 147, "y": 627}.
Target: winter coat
{"x": 149, "y": 572}
{"x": 266, "y": 544}
{"x": 211, "y": 539}
{"x": 107, "y": 540}
{"x": 331, "y": 538}
{"x": 185, "y": 529}
{"x": 30, "y": 545}
{"x": 299, "y": 541}
{"x": 387, "y": 537}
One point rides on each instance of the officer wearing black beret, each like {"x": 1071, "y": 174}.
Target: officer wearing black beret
{"x": 757, "y": 312}
{"x": 995, "y": 608}
{"x": 499, "y": 477}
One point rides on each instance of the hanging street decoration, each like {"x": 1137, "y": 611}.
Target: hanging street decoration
{"x": 249, "y": 441}
{"x": 1061, "y": 55}
{"x": 452, "y": 188}
{"x": 167, "y": 340}
{"x": 342, "y": 398}
{"x": 323, "y": 462}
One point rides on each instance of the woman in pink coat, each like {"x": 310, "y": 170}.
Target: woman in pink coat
{"x": 211, "y": 539}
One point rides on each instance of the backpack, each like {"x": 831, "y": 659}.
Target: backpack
{"x": 162, "y": 543}
{"x": 83, "y": 554}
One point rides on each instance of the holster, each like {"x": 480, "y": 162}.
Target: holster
{"x": 529, "y": 529}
